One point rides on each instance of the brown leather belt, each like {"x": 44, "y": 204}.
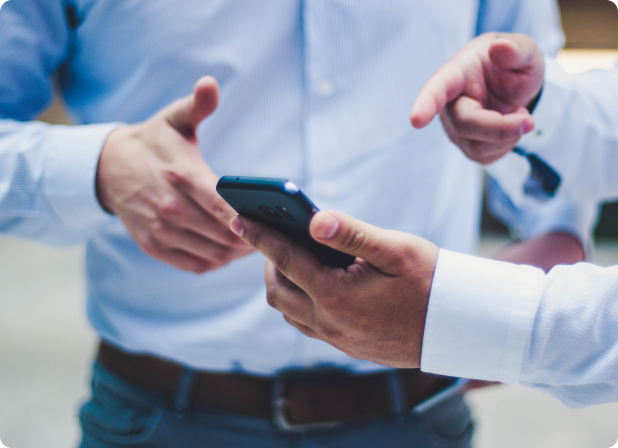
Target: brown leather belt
{"x": 294, "y": 400}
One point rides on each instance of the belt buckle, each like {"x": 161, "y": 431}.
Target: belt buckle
{"x": 280, "y": 418}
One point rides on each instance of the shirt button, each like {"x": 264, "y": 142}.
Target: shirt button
{"x": 539, "y": 132}
{"x": 330, "y": 191}
{"x": 325, "y": 89}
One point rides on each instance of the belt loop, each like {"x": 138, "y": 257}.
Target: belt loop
{"x": 395, "y": 389}
{"x": 184, "y": 392}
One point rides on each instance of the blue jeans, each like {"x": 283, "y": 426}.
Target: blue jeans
{"x": 121, "y": 414}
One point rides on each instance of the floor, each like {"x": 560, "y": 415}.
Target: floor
{"x": 46, "y": 348}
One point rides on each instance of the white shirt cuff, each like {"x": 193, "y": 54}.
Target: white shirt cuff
{"x": 479, "y": 317}
{"x": 70, "y": 173}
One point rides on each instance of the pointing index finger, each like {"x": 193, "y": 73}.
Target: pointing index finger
{"x": 444, "y": 86}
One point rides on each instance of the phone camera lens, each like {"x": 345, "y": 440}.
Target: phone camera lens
{"x": 271, "y": 212}
{"x": 286, "y": 213}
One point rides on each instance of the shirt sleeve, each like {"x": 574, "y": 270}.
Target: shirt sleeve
{"x": 533, "y": 219}
{"x": 502, "y": 322}
{"x": 47, "y": 173}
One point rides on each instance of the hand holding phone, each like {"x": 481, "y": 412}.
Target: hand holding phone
{"x": 280, "y": 204}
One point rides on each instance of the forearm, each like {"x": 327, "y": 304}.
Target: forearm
{"x": 545, "y": 251}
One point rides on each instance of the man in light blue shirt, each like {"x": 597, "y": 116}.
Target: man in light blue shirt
{"x": 317, "y": 92}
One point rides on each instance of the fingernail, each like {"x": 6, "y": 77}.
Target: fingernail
{"x": 237, "y": 226}
{"x": 327, "y": 228}
{"x": 526, "y": 126}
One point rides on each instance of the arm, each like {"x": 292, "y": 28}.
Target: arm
{"x": 150, "y": 174}
{"x": 550, "y": 233}
{"x": 46, "y": 172}
{"x": 500, "y": 322}
{"x": 405, "y": 304}
{"x": 481, "y": 95}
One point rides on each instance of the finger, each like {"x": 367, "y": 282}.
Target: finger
{"x": 518, "y": 69}
{"x": 177, "y": 258}
{"x": 443, "y": 87}
{"x": 286, "y": 297}
{"x": 383, "y": 249}
{"x": 180, "y": 211}
{"x": 478, "y": 151}
{"x": 471, "y": 121}
{"x": 307, "y": 331}
{"x": 514, "y": 52}
{"x": 486, "y": 153}
{"x": 185, "y": 114}
{"x": 200, "y": 186}
{"x": 294, "y": 261}
{"x": 204, "y": 248}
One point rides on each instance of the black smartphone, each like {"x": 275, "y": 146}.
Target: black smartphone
{"x": 280, "y": 204}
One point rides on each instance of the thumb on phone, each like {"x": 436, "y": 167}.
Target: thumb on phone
{"x": 389, "y": 251}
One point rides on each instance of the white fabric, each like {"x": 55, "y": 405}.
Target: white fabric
{"x": 500, "y": 322}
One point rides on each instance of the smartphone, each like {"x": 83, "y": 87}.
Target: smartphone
{"x": 280, "y": 204}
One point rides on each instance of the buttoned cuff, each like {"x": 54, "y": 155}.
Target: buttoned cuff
{"x": 479, "y": 317}
{"x": 70, "y": 172}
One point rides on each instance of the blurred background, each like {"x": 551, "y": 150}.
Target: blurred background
{"x": 46, "y": 345}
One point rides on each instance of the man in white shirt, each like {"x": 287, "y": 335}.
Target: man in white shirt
{"x": 407, "y": 304}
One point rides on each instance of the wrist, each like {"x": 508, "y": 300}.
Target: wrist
{"x": 105, "y": 166}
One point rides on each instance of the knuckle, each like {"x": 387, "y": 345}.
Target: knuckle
{"x": 238, "y": 244}
{"x": 460, "y": 124}
{"x": 147, "y": 244}
{"x": 282, "y": 260}
{"x": 203, "y": 266}
{"x": 255, "y": 239}
{"x": 224, "y": 256}
{"x": 330, "y": 332}
{"x": 479, "y": 152}
{"x": 505, "y": 133}
{"x": 271, "y": 295}
{"x": 158, "y": 230}
{"x": 169, "y": 207}
{"x": 217, "y": 205}
{"x": 179, "y": 178}
{"x": 353, "y": 238}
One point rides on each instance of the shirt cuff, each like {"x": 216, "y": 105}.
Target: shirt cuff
{"x": 70, "y": 173}
{"x": 479, "y": 317}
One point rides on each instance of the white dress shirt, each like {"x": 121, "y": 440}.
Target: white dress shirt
{"x": 556, "y": 332}
{"x": 315, "y": 91}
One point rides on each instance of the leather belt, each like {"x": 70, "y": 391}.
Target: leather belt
{"x": 294, "y": 400}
